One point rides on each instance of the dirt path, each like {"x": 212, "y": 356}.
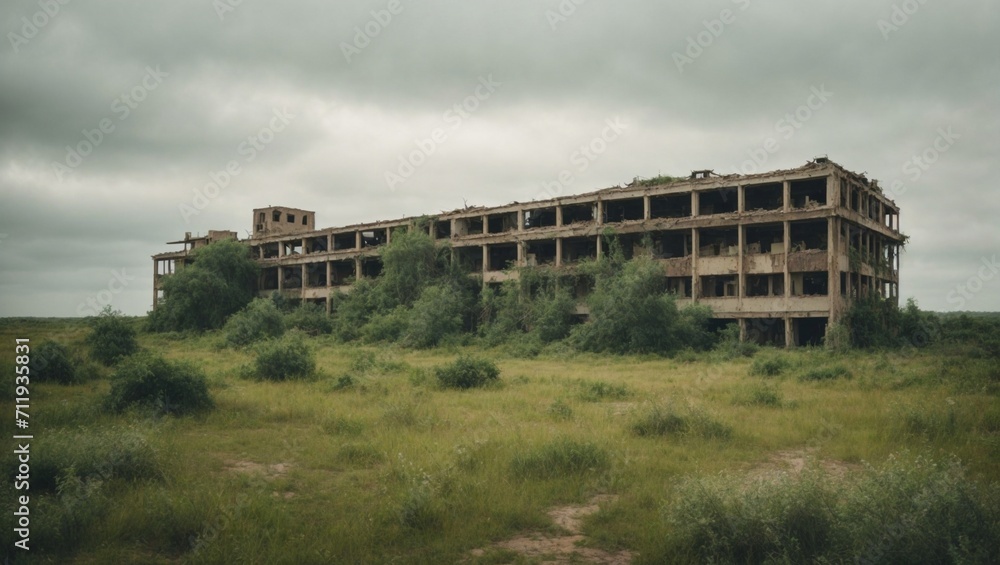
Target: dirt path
{"x": 561, "y": 549}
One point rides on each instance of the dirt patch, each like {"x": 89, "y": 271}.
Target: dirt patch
{"x": 794, "y": 461}
{"x": 564, "y": 549}
{"x": 251, "y": 468}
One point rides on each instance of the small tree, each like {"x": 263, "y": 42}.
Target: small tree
{"x": 152, "y": 381}
{"x": 220, "y": 282}
{"x": 112, "y": 337}
{"x": 287, "y": 358}
{"x": 259, "y": 320}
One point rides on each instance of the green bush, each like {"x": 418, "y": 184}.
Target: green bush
{"x": 770, "y": 366}
{"x": 310, "y": 318}
{"x": 153, "y": 382}
{"x": 436, "y": 314}
{"x": 50, "y": 363}
{"x": 667, "y": 420}
{"x": 561, "y": 457}
{"x": 111, "y": 338}
{"x": 287, "y": 358}
{"x": 260, "y": 320}
{"x": 467, "y": 372}
{"x": 758, "y": 394}
{"x": 826, "y": 374}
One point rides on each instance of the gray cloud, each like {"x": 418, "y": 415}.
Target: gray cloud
{"x": 353, "y": 120}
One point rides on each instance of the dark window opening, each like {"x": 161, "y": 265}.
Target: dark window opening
{"x": 765, "y": 285}
{"x": 316, "y": 244}
{"x": 768, "y": 238}
{"x": 809, "y": 331}
{"x": 583, "y": 286}
{"x": 371, "y": 267}
{"x": 500, "y": 223}
{"x": 262, "y": 217}
{"x": 624, "y": 210}
{"x": 719, "y": 286}
{"x": 270, "y": 250}
{"x": 577, "y": 248}
{"x": 502, "y": 257}
{"x": 374, "y": 238}
{"x": 540, "y": 252}
{"x": 539, "y": 218}
{"x": 808, "y": 235}
{"x": 269, "y": 279}
{"x": 305, "y": 220}
{"x": 316, "y": 274}
{"x": 721, "y": 201}
{"x": 291, "y": 277}
{"x": 672, "y": 244}
{"x": 291, "y": 218}
{"x": 470, "y": 259}
{"x": 469, "y": 226}
{"x": 342, "y": 272}
{"x": 845, "y": 193}
{"x": 276, "y": 216}
{"x": 293, "y": 247}
{"x": 681, "y": 286}
{"x": 814, "y": 283}
{"x": 442, "y": 229}
{"x": 670, "y": 206}
{"x": 808, "y": 193}
{"x": 765, "y": 331}
{"x": 576, "y": 213}
{"x": 718, "y": 241}
{"x": 633, "y": 244}
{"x": 343, "y": 241}
{"x": 763, "y": 197}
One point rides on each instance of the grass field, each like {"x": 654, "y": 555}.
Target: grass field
{"x": 387, "y": 467}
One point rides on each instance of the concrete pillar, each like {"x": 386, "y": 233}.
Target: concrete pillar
{"x": 600, "y": 212}
{"x": 789, "y": 335}
{"x": 357, "y": 242}
{"x": 486, "y": 256}
{"x": 559, "y": 215}
{"x": 559, "y": 246}
{"x": 600, "y": 246}
{"x": 645, "y": 207}
{"x": 156, "y": 282}
{"x": 358, "y": 274}
{"x": 786, "y": 188}
{"x": 832, "y": 247}
{"x": 520, "y": 219}
{"x": 741, "y": 272}
{"x": 520, "y": 254}
{"x": 788, "y": 243}
{"x": 329, "y": 278}
{"x": 694, "y": 203}
{"x": 695, "y": 254}
{"x": 740, "y": 198}
{"x": 281, "y": 278}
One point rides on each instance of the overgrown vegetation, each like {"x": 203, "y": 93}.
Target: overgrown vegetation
{"x": 221, "y": 280}
{"x": 112, "y": 337}
{"x": 50, "y": 362}
{"x": 467, "y": 372}
{"x": 289, "y": 357}
{"x": 150, "y": 381}
{"x": 260, "y": 320}
{"x": 560, "y": 457}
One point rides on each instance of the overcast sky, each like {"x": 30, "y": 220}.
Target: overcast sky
{"x": 114, "y": 116}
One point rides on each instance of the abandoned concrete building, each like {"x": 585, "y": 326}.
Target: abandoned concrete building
{"x": 781, "y": 253}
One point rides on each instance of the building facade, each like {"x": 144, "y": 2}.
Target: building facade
{"x": 781, "y": 253}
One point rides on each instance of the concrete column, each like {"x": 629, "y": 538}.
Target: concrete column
{"x": 357, "y": 241}
{"x": 600, "y": 212}
{"x": 559, "y": 215}
{"x": 520, "y": 219}
{"x": 788, "y": 242}
{"x": 281, "y": 278}
{"x": 740, "y": 199}
{"x": 486, "y": 256}
{"x": 743, "y": 329}
{"x": 156, "y": 282}
{"x": 645, "y": 207}
{"x": 520, "y": 254}
{"x": 357, "y": 268}
{"x": 786, "y": 187}
{"x": 694, "y": 203}
{"x": 741, "y": 273}
{"x": 600, "y": 246}
{"x": 559, "y": 247}
{"x": 833, "y": 271}
{"x": 789, "y": 336}
{"x": 329, "y": 279}
{"x": 695, "y": 254}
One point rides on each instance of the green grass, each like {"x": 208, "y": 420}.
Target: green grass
{"x": 394, "y": 468}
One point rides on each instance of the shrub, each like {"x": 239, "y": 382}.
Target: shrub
{"x": 388, "y": 326}
{"x": 310, "y": 318}
{"x": 770, "y": 366}
{"x": 50, "y": 363}
{"x": 563, "y": 456}
{"x": 467, "y": 372}
{"x": 826, "y": 373}
{"x": 260, "y": 320}
{"x": 560, "y": 410}
{"x": 661, "y": 420}
{"x": 729, "y": 345}
{"x": 287, "y": 358}
{"x": 596, "y": 391}
{"x": 435, "y": 315}
{"x": 152, "y": 381}
{"x": 112, "y": 337}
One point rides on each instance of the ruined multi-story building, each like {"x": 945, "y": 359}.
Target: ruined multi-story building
{"x": 780, "y": 252}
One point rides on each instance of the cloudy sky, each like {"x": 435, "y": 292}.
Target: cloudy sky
{"x": 118, "y": 121}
